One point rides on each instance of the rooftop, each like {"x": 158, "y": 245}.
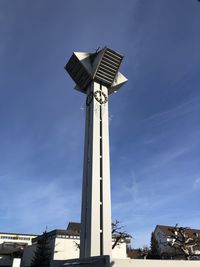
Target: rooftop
{"x": 10, "y": 233}
{"x": 168, "y": 230}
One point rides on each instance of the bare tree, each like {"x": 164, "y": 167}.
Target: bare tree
{"x": 144, "y": 252}
{"x": 118, "y": 234}
{"x": 138, "y": 253}
{"x": 77, "y": 245}
{"x": 185, "y": 242}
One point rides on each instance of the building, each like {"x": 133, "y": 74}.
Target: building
{"x": 165, "y": 234}
{"x": 12, "y": 246}
{"x": 64, "y": 245}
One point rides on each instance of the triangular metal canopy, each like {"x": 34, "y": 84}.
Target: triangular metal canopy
{"x": 101, "y": 66}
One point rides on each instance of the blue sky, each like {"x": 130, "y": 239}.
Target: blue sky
{"x": 154, "y": 118}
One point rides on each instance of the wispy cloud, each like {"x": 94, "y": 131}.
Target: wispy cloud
{"x": 164, "y": 158}
{"x": 179, "y": 110}
{"x": 196, "y": 183}
{"x": 35, "y": 205}
{"x": 155, "y": 132}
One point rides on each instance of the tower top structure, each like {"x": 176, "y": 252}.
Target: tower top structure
{"x": 101, "y": 67}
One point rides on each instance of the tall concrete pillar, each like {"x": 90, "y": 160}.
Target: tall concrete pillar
{"x": 96, "y": 75}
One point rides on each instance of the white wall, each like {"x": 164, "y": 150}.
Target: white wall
{"x": 65, "y": 248}
{"x": 105, "y": 262}
{"x": 16, "y": 238}
{"x": 16, "y": 262}
{"x": 153, "y": 263}
{"x": 119, "y": 252}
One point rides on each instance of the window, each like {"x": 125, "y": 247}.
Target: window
{"x": 25, "y": 238}
{"x": 15, "y": 237}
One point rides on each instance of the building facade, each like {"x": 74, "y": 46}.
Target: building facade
{"x": 64, "y": 245}
{"x": 12, "y": 245}
{"x": 166, "y": 234}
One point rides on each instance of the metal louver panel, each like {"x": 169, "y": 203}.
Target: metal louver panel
{"x": 78, "y": 73}
{"x": 108, "y": 67}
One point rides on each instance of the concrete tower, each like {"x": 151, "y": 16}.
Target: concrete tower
{"x": 96, "y": 75}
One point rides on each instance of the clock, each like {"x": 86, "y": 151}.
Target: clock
{"x": 100, "y": 97}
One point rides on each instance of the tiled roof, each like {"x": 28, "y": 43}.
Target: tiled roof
{"x": 74, "y": 227}
{"x": 57, "y": 232}
{"x": 168, "y": 230}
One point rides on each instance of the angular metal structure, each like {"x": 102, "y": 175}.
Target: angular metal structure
{"x": 97, "y": 75}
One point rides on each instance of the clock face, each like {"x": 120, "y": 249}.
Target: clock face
{"x": 100, "y": 97}
{"x": 89, "y": 98}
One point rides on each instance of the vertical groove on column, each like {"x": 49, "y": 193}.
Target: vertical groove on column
{"x": 101, "y": 178}
{"x": 88, "y": 110}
